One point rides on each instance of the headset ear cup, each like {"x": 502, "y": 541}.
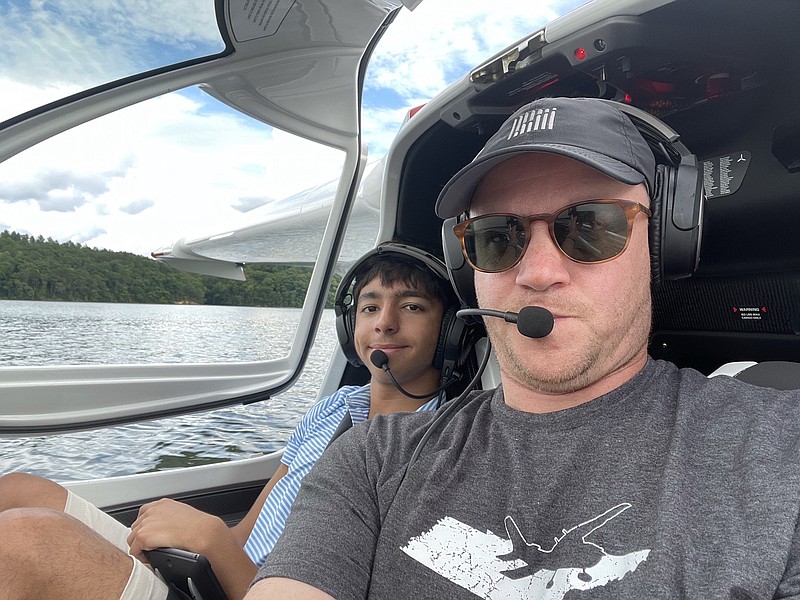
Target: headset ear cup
{"x": 676, "y": 243}
{"x": 678, "y": 201}
{"x": 656, "y": 228}
{"x": 682, "y": 233}
{"x": 461, "y": 275}
{"x": 449, "y": 349}
{"x": 350, "y": 321}
{"x": 345, "y": 331}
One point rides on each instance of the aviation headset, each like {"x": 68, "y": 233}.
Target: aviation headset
{"x": 456, "y": 337}
{"x": 677, "y": 203}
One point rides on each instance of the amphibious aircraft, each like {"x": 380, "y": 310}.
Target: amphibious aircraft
{"x": 719, "y": 74}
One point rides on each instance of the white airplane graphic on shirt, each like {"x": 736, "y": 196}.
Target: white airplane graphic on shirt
{"x": 494, "y": 568}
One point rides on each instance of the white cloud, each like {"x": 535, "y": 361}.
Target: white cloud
{"x": 191, "y": 168}
{"x": 176, "y": 21}
{"x": 89, "y": 42}
{"x": 137, "y": 206}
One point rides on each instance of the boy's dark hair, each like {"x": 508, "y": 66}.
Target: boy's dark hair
{"x": 393, "y": 268}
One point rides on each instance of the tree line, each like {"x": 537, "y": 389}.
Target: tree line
{"x": 35, "y": 268}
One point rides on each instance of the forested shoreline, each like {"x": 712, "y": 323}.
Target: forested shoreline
{"x": 35, "y": 268}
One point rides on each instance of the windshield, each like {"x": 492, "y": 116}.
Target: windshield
{"x": 82, "y": 212}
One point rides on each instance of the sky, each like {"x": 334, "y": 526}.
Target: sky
{"x": 183, "y": 164}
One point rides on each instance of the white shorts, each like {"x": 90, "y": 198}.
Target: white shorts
{"x": 143, "y": 584}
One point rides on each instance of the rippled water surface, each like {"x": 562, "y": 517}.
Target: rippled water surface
{"x": 41, "y": 333}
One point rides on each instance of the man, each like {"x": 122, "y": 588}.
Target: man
{"x": 398, "y": 308}
{"x": 593, "y": 471}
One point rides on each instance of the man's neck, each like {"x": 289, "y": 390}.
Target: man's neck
{"x": 521, "y": 397}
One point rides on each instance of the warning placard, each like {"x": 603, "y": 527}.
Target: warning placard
{"x": 722, "y": 175}
{"x": 252, "y": 19}
{"x": 750, "y": 313}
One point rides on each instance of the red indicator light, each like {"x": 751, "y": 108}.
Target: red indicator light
{"x": 580, "y": 53}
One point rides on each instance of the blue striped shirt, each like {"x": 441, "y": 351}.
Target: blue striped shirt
{"x": 305, "y": 446}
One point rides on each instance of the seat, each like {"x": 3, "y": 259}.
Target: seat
{"x": 777, "y": 374}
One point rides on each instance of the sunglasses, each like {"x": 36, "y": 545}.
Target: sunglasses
{"x": 589, "y": 232}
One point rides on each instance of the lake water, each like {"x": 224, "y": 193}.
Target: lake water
{"x": 42, "y": 333}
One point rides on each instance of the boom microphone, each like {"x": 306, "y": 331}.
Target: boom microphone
{"x": 380, "y": 360}
{"x": 532, "y": 321}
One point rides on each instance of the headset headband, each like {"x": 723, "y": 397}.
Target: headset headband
{"x": 678, "y": 202}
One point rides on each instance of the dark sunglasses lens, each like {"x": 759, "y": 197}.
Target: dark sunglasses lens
{"x": 592, "y": 232}
{"x": 495, "y": 242}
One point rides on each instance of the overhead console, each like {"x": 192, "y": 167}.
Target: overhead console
{"x": 661, "y": 61}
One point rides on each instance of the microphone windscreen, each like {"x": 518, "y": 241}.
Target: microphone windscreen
{"x": 380, "y": 360}
{"x": 534, "y": 322}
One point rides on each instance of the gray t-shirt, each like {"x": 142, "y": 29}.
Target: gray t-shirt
{"x": 671, "y": 486}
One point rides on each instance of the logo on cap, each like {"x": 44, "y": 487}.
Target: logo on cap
{"x": 533, "y": 120}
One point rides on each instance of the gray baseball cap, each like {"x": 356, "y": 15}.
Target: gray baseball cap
{"x": 592, "y": 131}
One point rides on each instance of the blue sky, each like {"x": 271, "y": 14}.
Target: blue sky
{"x": 110, "y": 186}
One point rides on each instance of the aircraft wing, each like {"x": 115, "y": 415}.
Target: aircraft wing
{"x": 285, "y": 231}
